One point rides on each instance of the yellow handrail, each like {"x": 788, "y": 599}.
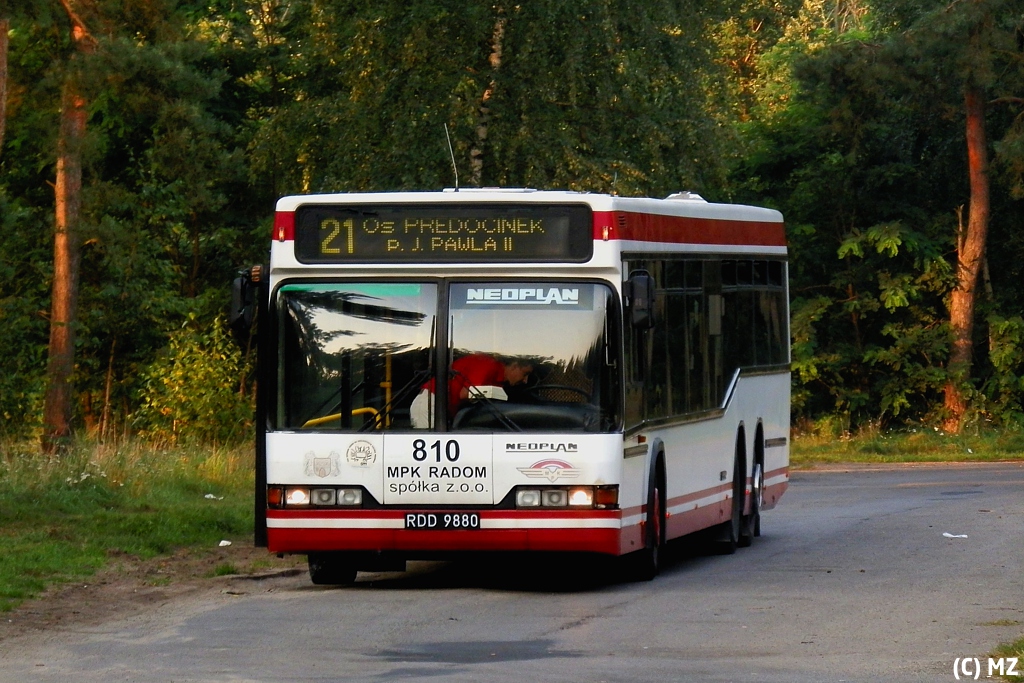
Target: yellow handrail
{"x": 337, "y": 416}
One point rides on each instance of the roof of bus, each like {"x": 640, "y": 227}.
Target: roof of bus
{"x": 681, "y": 204}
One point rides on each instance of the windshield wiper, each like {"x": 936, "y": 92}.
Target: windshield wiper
{"x": 490, "y": 404}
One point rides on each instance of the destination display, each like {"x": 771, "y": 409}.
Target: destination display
{"x": 443, "y": 233}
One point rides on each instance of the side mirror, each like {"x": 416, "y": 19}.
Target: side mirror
{"x": 640, "y": 294}
{"x": 243, "y": 304}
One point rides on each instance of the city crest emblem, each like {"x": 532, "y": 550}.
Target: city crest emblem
{"x": 323, "y": 466}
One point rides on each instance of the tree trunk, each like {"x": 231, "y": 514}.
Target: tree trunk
{"x": 5, "y": 26}
{"x": 970, "y": 255}
{"x": 476, "y": 155}
{"x": 60, "y": 363}
{"x": 68, "y": 198}
{"x": 107, "y": 388}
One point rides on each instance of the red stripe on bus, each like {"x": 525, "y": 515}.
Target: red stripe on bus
{"x": 605, "y": 541}
{"x": 680, "y": 500}
{"x": 691, "y": 497}
{"x": 683, "y": 523}
{"x": 484, "y": 514}
{"x": 647, "y": 227}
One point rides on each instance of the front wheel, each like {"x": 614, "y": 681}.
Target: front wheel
{"x": 646, "y": 563}
{"x": 331, "y": 569}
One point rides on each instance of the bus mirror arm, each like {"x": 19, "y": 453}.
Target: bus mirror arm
{"x": 243, "y": 304}
{"x": 639, "y": 293}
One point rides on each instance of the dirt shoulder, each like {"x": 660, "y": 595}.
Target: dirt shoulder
{"x": 128, "y": 585}
{"x": 896, "y": 466}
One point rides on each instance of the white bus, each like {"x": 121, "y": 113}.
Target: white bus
{"x": 443, "y": 373}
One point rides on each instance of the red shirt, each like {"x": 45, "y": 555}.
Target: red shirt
{"x": 476, "y": 370}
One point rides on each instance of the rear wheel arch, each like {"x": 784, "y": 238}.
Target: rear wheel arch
{"x": 740, "y": 459}
{"x": 658, "y": 478}
{"x": 758, "y": 460}
{"x": 729, "y": 535}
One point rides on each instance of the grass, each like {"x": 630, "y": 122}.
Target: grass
{"x": 63, "y": 517}
{"x": 921, "y": 444}
{"x": 1016, "y": 650}
{"x": 226, "y": 569}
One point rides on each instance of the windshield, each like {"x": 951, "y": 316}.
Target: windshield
{"x": 544, "y": 345}
{"x": 351, "y": 354}
{"x": 524, "y": 356}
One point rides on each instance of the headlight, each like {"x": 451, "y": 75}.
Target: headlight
{"x": 324, "y": 496}
{"x": 350, "y": 497}
{"x": 582, "y": 497}
{"x": 296, "y": 495}
{"x": 554, "y": 498}
{"x": 527, "y": 498}
{"x": 603, "y": 497}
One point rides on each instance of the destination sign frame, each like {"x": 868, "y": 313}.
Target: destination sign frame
{"x": 444, "y": 233}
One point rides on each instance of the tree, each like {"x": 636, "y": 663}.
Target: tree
{"x": 144, "y": 192}
{"x": 5, "y": 27}
{"x": 66, "y": 244}
{"x": 867, "y": 159}
{"x": 968, "y": 50}
{"x": 984, "y": 36}
{"x": 622, "y": 97}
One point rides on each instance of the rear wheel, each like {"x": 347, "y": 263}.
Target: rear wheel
{"x": 752, "y": 522}
{"x": 730, "y": 532}
{"x": 331, "y": 569}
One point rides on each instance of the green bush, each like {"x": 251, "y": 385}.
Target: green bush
{"x": 196, "y": 389}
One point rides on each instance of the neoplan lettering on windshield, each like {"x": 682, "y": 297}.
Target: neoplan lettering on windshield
{"x": 523, "y": 295}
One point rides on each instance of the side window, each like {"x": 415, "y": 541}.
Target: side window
{"x": 657, "y": 386}
{"x": 634, "y": 352}
{"x": 755, "y": 329}
{"x": 685, "y": 331}
{"x": 712, "y": 317}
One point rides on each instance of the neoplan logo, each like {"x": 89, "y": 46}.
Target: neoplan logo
{"x": 551, "y": 469}
{"x": 523, "y": 295}
{"x": 541, "y": 447}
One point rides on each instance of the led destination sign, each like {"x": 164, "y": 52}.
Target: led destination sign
{"x": 443, "y": 232}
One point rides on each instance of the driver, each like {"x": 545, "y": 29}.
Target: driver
{"x": 474, "y": 370}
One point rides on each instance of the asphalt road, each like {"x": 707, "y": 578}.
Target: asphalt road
{"x": 852, "y": 580}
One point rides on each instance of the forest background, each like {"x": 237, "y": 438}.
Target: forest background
{"x": 143, "y": 144}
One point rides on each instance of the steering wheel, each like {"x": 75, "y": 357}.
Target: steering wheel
{"x": 535, "y": 390}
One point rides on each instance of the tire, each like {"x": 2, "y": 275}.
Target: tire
{"x": 752, "y": 522}
{"x": 646, "y": 563}
{"x": 730, "y": 534}
{"x": 330, "y": 569}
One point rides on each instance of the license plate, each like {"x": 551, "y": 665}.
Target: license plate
{"x": 442, "y": 520}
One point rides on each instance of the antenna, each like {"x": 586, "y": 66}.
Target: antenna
{"x": 455, "y": 169}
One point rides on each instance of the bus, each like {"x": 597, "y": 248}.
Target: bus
{"x": 515, "y": 371}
